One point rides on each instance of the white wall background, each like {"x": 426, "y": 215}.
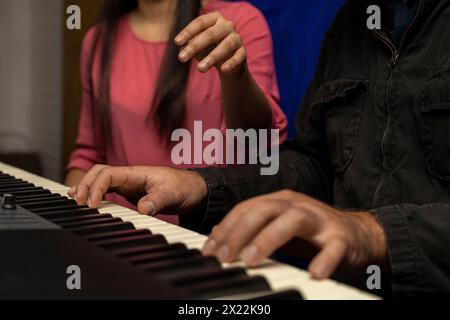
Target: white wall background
{"x": 31, "y": 80}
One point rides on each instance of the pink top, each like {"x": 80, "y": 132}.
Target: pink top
{"x": 134, "y": 74}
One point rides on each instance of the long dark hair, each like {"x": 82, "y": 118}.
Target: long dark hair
{"x": 170, "y": 95}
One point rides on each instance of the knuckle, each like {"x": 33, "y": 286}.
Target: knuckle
{"x": 264, "y": 244}
{"x": 230, "y": 45}
{"x": 209, "y": 35}
{"x": 233, "y": 241}
{"x": 267, "y": 215}
{"x": 186, "y": 33}
{"x": 177, "y": 196}
{"x": 191, "y": 47}
{"x": 233, "y": 63}
{"x": 240, "y": 207}
{"x": 286, "y": 193}
{"x": 298, "y": 218}
{"x": 100, "y": 190}
{"x": 264, "y": 210}
{"x": 212, "y": 58}
{"x": 218, "y": 234}
{"x": 230, "y": 25}
{"x": 201, "y": 22}
{"x": 244, "y": 207}
{"x": 98, "y": 167}
{"x": 236, "y": 37}
{"x": 104, "y": 172}
{"x": 214, "y": 229}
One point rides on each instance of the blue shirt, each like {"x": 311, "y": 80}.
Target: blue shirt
{"x": 401, "y": 13}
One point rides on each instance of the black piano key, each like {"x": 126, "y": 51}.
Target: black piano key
{"x": 75, "y": 225}
{"x": 118, "y": 235}
{"x": 185, "y": 279}
{"x": 134, "y": 251}
{"x": 68, "y": 213}
{"x": 38, "y": 197}
{"x": 5, "y": 183}
{"x": 7, "y": 177}
{"x": 187, "y": 264}
{"x": 103, "y": 228}
{"x": 179, "y": 275}
{"x": 18, "y": 189}
{"x": 68, "y": 207}
{"x": 30, "y": 205}
{"x": 80, "y": 219}
{"x": 132, "y": 241}
{"x": 30, "y": 191}
{"x": 163, "y": 256}
{"x": 17, "y": 186}
{"x": 228, "y": 287}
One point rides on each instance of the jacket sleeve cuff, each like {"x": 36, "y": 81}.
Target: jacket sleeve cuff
{"x": 213, "y": 208}
{"x": 402, "y": 249}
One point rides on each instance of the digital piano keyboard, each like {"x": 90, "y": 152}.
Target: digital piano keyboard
{"x": 123, "y": 255}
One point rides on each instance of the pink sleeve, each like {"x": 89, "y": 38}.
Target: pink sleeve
{"x": 87, "y": 151}
{"x": 256, "y": 36}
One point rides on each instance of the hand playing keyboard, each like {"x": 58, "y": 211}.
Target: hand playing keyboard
{"x": 155, "y": 190}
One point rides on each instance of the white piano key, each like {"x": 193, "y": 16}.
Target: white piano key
{"x": 195, "y": 244}
{"x": 179, "y": 238}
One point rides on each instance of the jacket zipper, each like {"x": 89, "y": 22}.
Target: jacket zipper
{"x": 393, "y": 63}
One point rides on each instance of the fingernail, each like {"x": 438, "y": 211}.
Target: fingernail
{"x": 179, "y": 39}
{"x": 183, "y": 56}
{"x": 148, "y": 208}
{"x": 226, "y": 68}
{"x": 210, "y": 247}
{"x": 203, "y": 66}
{"x": 89, "y": 202}
{"x": 250, "y": 254}
{"x": 223, "y": 253}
